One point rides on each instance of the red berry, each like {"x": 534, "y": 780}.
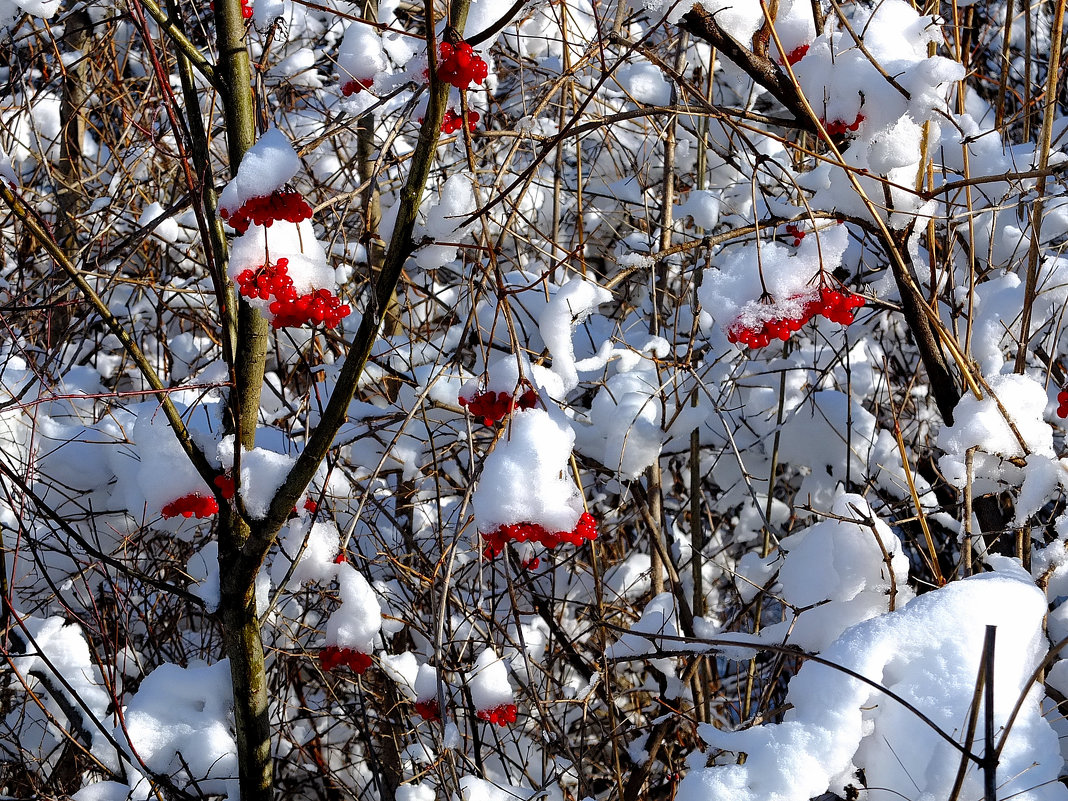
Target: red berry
{"x": 282, "y": 204}
{"x": 585, "y": 530}
{"x": 460, "y": 65}
{"x": 429, "y": 709}
{"x": 796, "y": 54}
{"x": 501, "y": 715}
{"x": 333, "y": 657}
{"x": 191, "y": 505}
{"x": 225, "y": 485}
{"x": 356, "y": 85}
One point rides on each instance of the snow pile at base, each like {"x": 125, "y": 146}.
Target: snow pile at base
{"x": 837, "y": 573}
{"x": 488, "y": 681}
{"x": 356, "y": 623}
{"x": 179, "y": 724}
{"x": 928, "y": 653}
{"x": 57, "y": 659}
{"x": 473, "y": 788}
{"x": 527, "y": 477}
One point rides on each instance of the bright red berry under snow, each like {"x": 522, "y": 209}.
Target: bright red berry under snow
{"x": 356, "y": 85}
{"x": 585, "y": 529}
{"x": 429, "y": 709}
{"x": 501, "y": 715}
{"x": 191, "y": 505}
{"x": 838, "y": 306}
{"x": 460, "y": 65}
{"x": 1062, "y": 401}
{"x": 333, "y": 657}
{"x": 290, "y": 310}
{"x": 493, "y": 406}
{"x": 282, "y": 204}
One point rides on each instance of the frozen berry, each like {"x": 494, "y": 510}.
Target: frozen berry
{"x": 460, "y": 65}
{"x": 192, "y": 505}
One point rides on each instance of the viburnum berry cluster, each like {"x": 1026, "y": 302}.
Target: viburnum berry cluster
{"x": 453, "y": 122}
{"x": 246, "y": 8}
{"x": 493, "y": 406}
{"x": 585, "y": 529}
{"x": 839, "y": 127}
{"x": 321, "y": 306}
{"x": 796, "y": 54}
{"x": 1062, "y": 404}
{"x": 333, "y": 657}
{"x": 796, "y": 231}
{"x": 460, "y": 65}
{"x": 281, "y": 204}
{"x": 226, "y": 486}
{"x": 429, "y": 709}
{"x": 501, "y": 715}
{"x": 291, "y": 310}
{"x": 192, "y": 505}
{"x": 838, "y": 306}
{"x": 356, "y": 85}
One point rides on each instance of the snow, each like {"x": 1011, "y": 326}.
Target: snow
{"x": 488, "y": 682}
{"x": 179, "y": 723}
{"x": 167, "y": 229}
{"x": 527, "y": 477}
{"x": 268, "y": 165}
{"x": 839, "y": 724}
{"x": 355, "y": 623}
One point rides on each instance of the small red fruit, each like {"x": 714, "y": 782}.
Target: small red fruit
{"x": 429, "y": 709}
{"x": 501, "y": 715}
{"x": 333, "y": 657}
{"x": 460, "y": 65}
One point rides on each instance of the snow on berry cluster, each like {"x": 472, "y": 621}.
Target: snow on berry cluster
{"x": 352, "y": 628}
{"x": 460, "y": 65}
{"x": 494, "y": 406}
{"x": 491, "y": 691}
{"x": 838, "y": 306}
{"x": 361, "y": 57}
{"x": 763, "y": 290}
{"x": 525, "y": 492}
{"x": 277, "y": 263}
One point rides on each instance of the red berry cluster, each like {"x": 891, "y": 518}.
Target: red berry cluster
{"x": 429, "y": 709}
{"x": 356, "y": 85}
{"x": 246, "y": 8}
{"x": 191, "y": 505}
{"x": 226, "y": 486}
{"x": 837, "y": 306}
{"x": 796, "y": 54}
{"x": 291, "y": 310}
{"x": 1062, "y": 404}
{"x": 310, "y": 506}
{"x": 585, "y": 529}
{"x": 453, "y": 122}
{"x": 267, "y": 281}
{"x": 493, "y": 406}
{"x": 281, "y": 204}
{"x": 530, "y": 564}
{"x": 839, "y": 127}
{"x": 796, "y": 231}
{"x": 460, "y": 65}
{"x": 333, "y": 657}
{"x": 321, "y": 306}
{"x": 501, "y": 715}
